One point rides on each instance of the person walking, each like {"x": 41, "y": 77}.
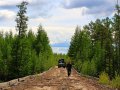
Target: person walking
{"x": 69, "y": 67}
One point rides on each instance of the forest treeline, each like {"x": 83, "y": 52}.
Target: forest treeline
{"x": 93, "y": 50}
{"x": 25, "y": 53}
{"x": 96, "y": 48}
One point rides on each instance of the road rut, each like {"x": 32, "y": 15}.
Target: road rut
{"x": 57, "y": 79}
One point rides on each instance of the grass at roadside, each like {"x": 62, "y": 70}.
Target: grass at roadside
{"x": 114, "y": 83}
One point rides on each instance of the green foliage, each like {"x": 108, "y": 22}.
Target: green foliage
{"x": 97, "y": 55}
{"x": 74, "y": 44}
{"x": 86, "y": 68}
{"x": 116, "y": 28}
{"x": 115, "y": 83}
{"x": 89, "y": 68}
{"x": 20, "y": 49}
{"x": 96, "y": 44}
{"x": 22, "y": 19}
{"x": 25, "y": 56}
{"x": 5, "y": 55}
{"x": 25, "y": 53}
{"x": 104, "y": 78}
{"x": 42, "y": 42}
{"x": 93, "y": 69}
{"x": 94, "y": 49}
{"x": 78, "y": 65}
{"x": 43, "y": 50}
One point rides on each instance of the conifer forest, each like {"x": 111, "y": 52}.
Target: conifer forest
{"x": 94, "y": 49}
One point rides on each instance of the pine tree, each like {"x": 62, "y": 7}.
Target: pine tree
{"x": 108, "y": 45}
{"x": 22, "y": 19}
{"x": 116, "y": 28}
{"x": 31, "y": 37}
{"x": 72, "y": 52}
{"x": 21, "y": 50}
{"x": 42, "y": 43}
{"x": 1, "y": 66}
{"x": 42, "y": 48}
{"x": 1, "y": 58}
{"x": 84, "y": 44}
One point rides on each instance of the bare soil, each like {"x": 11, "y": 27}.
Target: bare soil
{"x": 57, "y": 79}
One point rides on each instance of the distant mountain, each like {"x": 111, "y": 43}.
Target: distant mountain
{"x": 63, "y": 44}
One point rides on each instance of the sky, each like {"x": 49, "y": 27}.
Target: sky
{"x": 59, "y": 18}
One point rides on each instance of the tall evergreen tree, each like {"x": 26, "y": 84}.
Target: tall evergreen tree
{"x": 42, "y": 48}
{"x": 42, "y": 42}
{"x": 116, "y": 28}
{"x": 31, "y": 37}
{"x": 108, "y": 46}
{"x": 21, "y": 49}
{"x": 74, "y": 44}
{"x": 22, "y": 19}
{"x": 24, "y": 53}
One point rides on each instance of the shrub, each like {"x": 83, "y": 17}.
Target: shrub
{"x": 104, "y": 78}
{"x": 85, "y": 68}
{"x": 78, "y": 65}
{"x": 93, "y": 69}
{"x": 115, "y": 83}
{"x": 89, "y": 68}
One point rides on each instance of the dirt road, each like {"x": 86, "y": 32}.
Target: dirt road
{"x": 56, "y": 79}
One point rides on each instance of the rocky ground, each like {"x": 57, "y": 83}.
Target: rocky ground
{"x": 56, "y": 79}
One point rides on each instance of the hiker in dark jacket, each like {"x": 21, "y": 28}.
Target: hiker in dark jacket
{"x": 69, "y": 67}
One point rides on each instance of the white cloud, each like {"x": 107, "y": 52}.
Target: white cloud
{"x": 60, "y": 25}
{"x": 38, "y": 20}
{"x": 7, "y": 29}
{"x": 12, "y": 2}
{"x": 57, "y": 34}
{"x": 66, "y": 14}
{"x": 62, "y": 50}
{"x": 7, "y": 14}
